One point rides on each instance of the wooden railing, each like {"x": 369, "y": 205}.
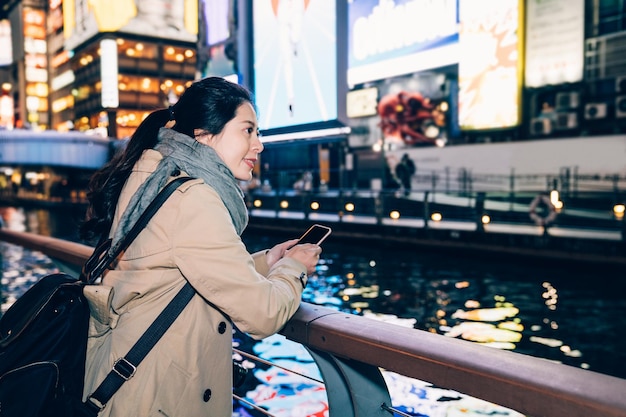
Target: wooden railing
{"x": 350, "y": 350}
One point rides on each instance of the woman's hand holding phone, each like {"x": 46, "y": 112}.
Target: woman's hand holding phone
{"x": 274, "y": 254}
{"x": 307, "y": 254}
{"x": 306, "y": 249}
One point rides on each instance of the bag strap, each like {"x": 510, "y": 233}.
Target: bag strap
{"x": 104, "y": 255}
{"x": 125, "y": 368}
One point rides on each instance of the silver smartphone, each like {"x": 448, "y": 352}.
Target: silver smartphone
{"x": 315, "y": 234}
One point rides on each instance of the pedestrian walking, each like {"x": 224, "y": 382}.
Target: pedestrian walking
{"x": 404, "y": 171}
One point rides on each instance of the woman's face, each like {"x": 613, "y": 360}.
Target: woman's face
{"x": 238, "y": 145}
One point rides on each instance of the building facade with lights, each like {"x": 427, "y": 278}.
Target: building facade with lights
{"x": 85, "y": 66}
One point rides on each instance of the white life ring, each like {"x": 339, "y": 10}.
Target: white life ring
{"x": 532, "y": 210}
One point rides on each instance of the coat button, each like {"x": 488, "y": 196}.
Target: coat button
{"x": 206, "y": 396}
{"x": 222, "y": 327}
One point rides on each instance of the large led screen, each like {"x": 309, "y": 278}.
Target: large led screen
{"x": 173, "y": 19}
{"x": 555, "y": 34}
{"x": 489, "y": 64}
{"x": 295, "y": 62}
{"x": 396, "y": 37}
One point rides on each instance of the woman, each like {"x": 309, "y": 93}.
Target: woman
{"x": 210, "y": 134}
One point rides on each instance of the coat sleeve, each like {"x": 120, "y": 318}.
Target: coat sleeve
{"x": 260, "y": 262}
{"x": 212, "y": 257}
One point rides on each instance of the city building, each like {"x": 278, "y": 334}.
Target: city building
{"x": 87, "y": 66}
{"x": 344, "y": 89}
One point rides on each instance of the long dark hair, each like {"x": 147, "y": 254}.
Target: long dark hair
{"x": 207, "y": 104}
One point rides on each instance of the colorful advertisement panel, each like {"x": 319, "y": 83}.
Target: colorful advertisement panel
{"x": 489, "y": 64}
{"x": 35, "y": 64}
{"x": 555, "y": 34}
{"x": 7, "y": 111}
{"x": 6, "y": 47}
{"x": 388, "y": 38}
{"x": 170, "y": 19}
{"x": 219, "y": 19}
{"x": 295, "y": 62}
{"x": 55, "y": 15}
{"x": 218, "y": 43}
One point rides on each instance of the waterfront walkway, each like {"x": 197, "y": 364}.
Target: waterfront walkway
{"x": 580, "y": 235}
{"x": 449, "y": 225}
{"x": 591, "y": 234}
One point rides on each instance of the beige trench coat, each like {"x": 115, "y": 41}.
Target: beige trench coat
{"x": 191, "y": 238}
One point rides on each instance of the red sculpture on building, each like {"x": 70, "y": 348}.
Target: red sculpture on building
{"x": 411, "y": 117}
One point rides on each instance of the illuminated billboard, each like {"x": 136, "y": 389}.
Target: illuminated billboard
{"x": 35, "y": 65}
{"x": 555, "y": 34}
{"x": 219, "y": 20}
{"x": 295, "y": 62}
{"x": 489, "y": 64}
{"x": 170, "y": 19}
{"x": 6, "y": 47}
{"x": 397, "y": 37}
{"x": 55, "y": 15}
{"x": 7, "y": 111}
{"x": 109, "y": 73}
{"x": 218, "y": 39}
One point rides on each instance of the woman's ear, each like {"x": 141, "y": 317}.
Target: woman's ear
{"x": 202, "y": 136}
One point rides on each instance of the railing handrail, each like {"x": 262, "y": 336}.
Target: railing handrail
{"x": 529, "y": 385}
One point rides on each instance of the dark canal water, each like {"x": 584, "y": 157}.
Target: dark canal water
{"x": 569, "y": 315}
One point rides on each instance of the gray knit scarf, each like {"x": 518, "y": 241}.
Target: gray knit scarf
{"x": 197, "y": 160}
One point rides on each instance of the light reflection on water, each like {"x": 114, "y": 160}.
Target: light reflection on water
{"x": 568, "y": 315}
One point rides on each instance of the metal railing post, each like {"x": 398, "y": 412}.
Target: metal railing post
{"x": 353, "y": 388}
